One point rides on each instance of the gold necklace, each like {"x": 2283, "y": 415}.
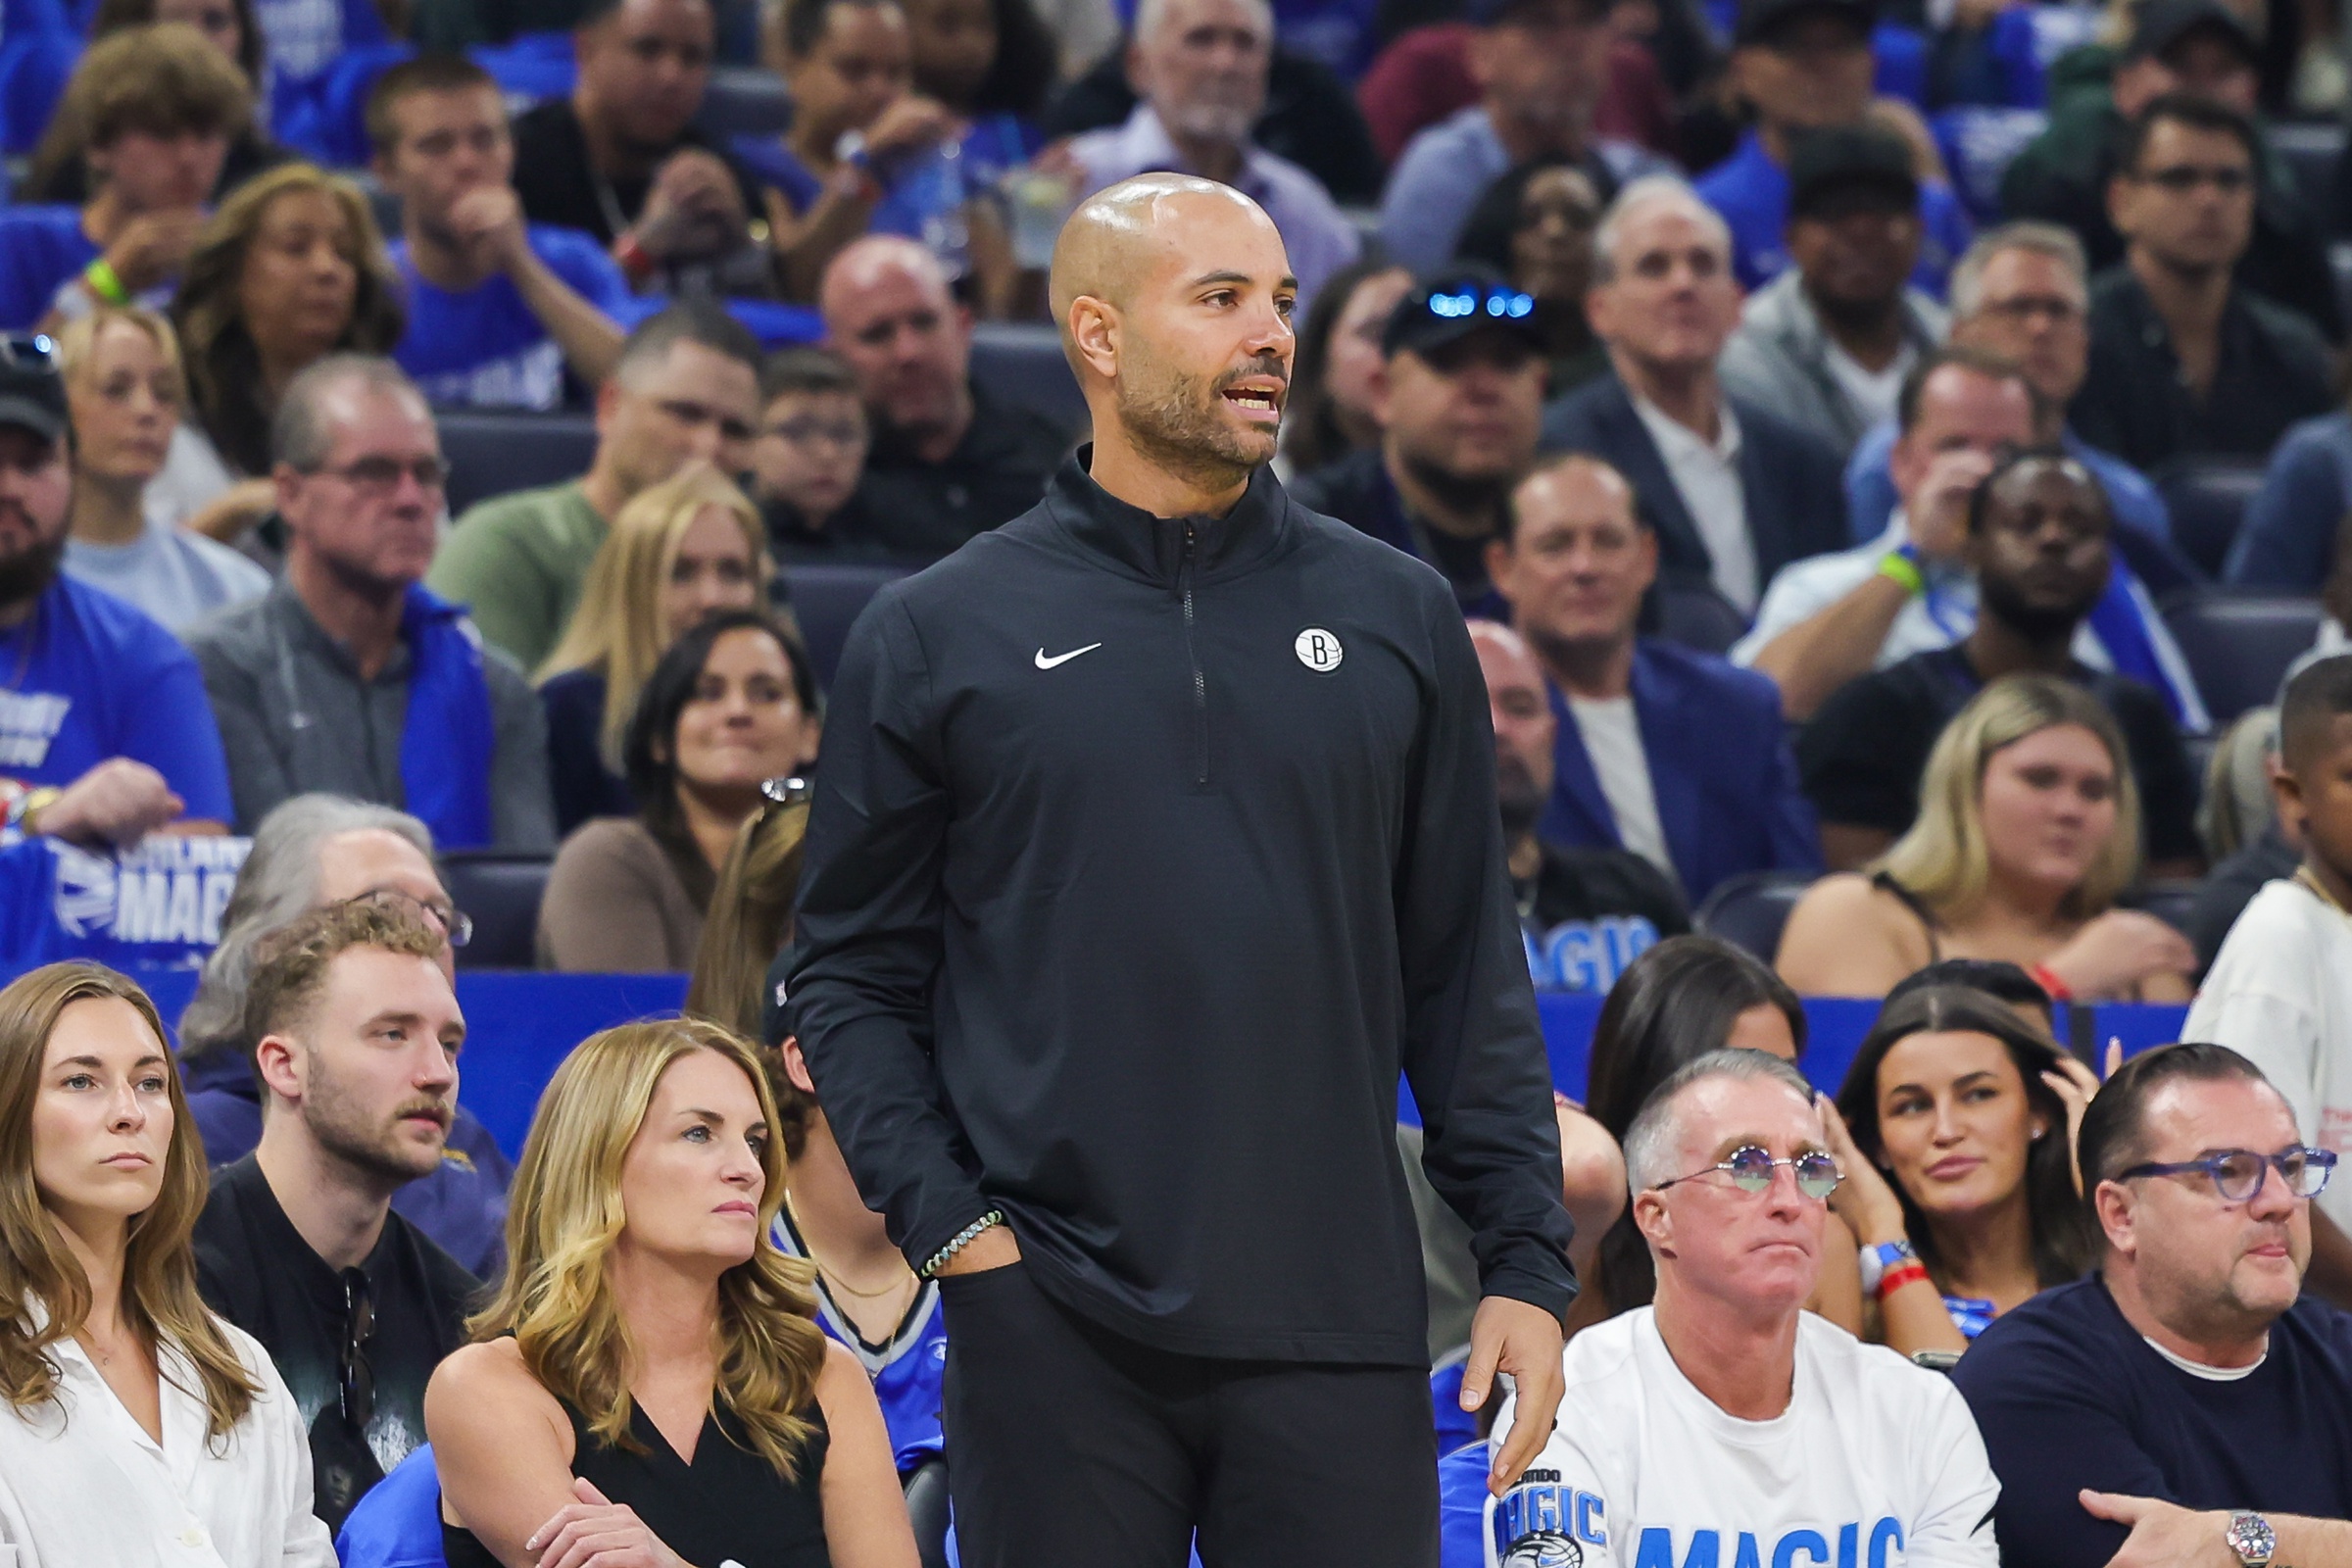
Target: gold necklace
{"x": 843, "y": 1285}
{"x": 2317, "y": 890}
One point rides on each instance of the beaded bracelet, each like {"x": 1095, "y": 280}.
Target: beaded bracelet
{"x": 959, "y": 1241}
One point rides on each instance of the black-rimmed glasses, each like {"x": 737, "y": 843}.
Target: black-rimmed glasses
{"x": 1751, "y": 1170}
{"x": 2238, "y": 1173}
{"x": 455, "y": 923}
{"x": 358, "y": 1328}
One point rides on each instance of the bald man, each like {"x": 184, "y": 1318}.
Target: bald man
{"x": 1156, "y": 836}
{"x": 948, "y": 461}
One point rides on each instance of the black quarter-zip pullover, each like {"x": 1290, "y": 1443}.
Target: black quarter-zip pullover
{"x": 1145, "y": 854}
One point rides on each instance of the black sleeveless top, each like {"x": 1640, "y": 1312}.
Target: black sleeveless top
{"x": 727, "y": 1506}
{"x": 1911, "y": 900}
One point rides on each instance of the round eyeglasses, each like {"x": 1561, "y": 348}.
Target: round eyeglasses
{"x": 2238, "y": 1173}
{"x": 1751, "y": 1170}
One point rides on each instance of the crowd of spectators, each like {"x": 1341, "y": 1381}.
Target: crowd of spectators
{"x": 1816, "y": 485}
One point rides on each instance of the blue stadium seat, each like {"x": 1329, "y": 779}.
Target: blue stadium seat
{"x": 530, "y": 68}
{"x": 1749, "y": 909}
{"x": 826, "y": 600}
{"x": 745, "y": 101}
{"x": 492, "y": 452}
{"x": 2238, "y": 644}
{"x": 2208, "y": 499}
{"x": 2308, "y": 150}
{"x": 1699, "y": 617}
{"x": 35, "y": 67}
{"x": 1020, "y": 362}
{"x": 326, "y": 118}
{"x": 502, "y": 893}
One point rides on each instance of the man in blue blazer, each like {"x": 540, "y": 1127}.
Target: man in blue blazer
{"x": 1733, "y": 491}
{"x": 1677, "y": 755}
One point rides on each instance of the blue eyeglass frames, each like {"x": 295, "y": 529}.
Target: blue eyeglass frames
{"x": 2238, "y": 1173}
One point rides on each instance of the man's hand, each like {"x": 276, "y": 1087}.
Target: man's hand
{"x": 993, "y": 1247}
{"x": 1524, "y": 1341}
{"x": 2163, "y": 1535}
{"x": 693, "y": 209}
{"x": 118, "y": 801}
{"x": 1937, "y": 519}
{"x": 488, "y": 223}
{"x": 154, "y": 247}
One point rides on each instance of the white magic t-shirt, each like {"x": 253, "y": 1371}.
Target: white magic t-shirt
{"x": 2280, "y": 993}
{"x": 1874, "y": 1463}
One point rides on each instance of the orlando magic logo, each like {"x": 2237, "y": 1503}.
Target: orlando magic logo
{"x": 1544, "y": 1549}
{"x": 1541, "y": 1523}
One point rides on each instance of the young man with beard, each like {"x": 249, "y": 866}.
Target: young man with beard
{"x": 1460, "y": 404}
{"x": 2037, "y": 543}
{"x": 356, "y": 1034}
{"x": 1587, "y": 914}
{"x": 1145, "y": 1143}
{"x": 105, "y": 734}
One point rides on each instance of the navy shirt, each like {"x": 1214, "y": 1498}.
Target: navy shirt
{"x": 485, "y": 348}
{"x": 86, "y": 677}
{"x": 2070, "y": 1395}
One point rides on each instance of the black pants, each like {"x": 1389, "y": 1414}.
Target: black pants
{"x": 1070, "y": 1446}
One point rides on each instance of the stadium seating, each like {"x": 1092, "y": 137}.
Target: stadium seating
{"x": 2238, "y": 644}
{"x": 502, "y": 893}
{"x": 1749, "y": 909}
{"x": 2208, "y": 500}
{"x": 2308, "y": 150}
{"x": 1020, "y": 362}
{"x": 494, "y": 451}
{"x": 826, "y": 600}
{"x": 745, "y": 101}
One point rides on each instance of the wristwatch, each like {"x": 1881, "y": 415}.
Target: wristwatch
{"x": 2251, "y": 1537}
{"x": 1876, "y": 1260}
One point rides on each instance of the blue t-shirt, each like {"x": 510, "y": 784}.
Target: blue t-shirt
{"x": 156, "y": 904}
{"x": 2068, "y": 1394}
{"x": 921, "y": 194}
{"x": 485, "y": 348}
{"x": 87, "y": 677}
{"x": 41, "y": 247}
{"x": 1752, "y": 192}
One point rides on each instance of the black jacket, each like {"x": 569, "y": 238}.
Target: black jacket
{"x": 1122, "y": 916}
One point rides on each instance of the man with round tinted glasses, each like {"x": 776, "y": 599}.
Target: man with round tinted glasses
{"x": 1725, "y": 1423}
{"x": 2188, "y": 1404}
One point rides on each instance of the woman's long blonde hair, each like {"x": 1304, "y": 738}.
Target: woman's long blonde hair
{"x": 564, "y": 1217}
{"x": 1945, "y": 860}
{"x": 750, "y": 920}
{"x": 224, "y": 369}
{"x": 619, "y": 626}
{"x": 159, "y": 1303}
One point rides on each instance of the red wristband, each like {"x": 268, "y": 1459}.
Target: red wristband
{"x": 1895, "y": 1278}
{"x": 632, "y": 258}
{"x": 2058, "y": 989}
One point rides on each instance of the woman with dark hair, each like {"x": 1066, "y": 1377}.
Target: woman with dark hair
{"x": 1683, "y": 998}
{"x": 1337, "y": 363}
{"x": 1955, "y": 1129}
{"x": 990, "y": 62}
{"x": 131, "y": 1418}
{"x": 290, "y": 269}
{"x": 1534, "y": 225}
{"x": 730, "y": 706}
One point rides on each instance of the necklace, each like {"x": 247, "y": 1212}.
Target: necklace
{"x": 826, "y": 1269}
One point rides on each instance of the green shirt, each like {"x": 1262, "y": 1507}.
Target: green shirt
{"x": 519, "y": 560}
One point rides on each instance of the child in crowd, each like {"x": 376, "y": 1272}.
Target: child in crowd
{"x": 808, "y": 459}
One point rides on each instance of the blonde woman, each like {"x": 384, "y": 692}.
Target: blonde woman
{"x": 649, "y": 1383}
{"x": 680, "y": 553}
{"x": 134, "y": 1425}
{"x": 290, "y": 269}
{"x": 2027, "y": 831}
{"x": 127, "y": 390}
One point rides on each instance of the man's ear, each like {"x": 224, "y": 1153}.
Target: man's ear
{"x": 1094, "y": 326}
{"x": 288, "y": 484}
{"x": 1139, "y": 74}
{"x": 277, "y": 1062}
{"x": 796, "y": 1065}
{"x": 2118, "y": 1211}
{"x": 1654, "y": 1220}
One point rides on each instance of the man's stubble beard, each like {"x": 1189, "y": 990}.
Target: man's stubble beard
{"x": 1175, "y": 421}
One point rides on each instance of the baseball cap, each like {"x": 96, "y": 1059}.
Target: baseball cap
{"x": 1454, "y": 304}
{"x": 1758, "y": 18}
{"x": 1845, "y": 161}
{"x": 33, "y": 395}
{"x": 2163, "y": 23}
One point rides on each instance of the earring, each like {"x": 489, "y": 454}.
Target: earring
{"x": 2038, "y": 1132}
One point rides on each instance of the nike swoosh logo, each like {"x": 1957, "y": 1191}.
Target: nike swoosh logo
{"x": 1042, "y": 663}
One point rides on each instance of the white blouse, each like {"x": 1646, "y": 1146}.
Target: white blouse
{"x": 82, "y": 1481}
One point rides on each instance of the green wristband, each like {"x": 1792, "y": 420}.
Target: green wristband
{"x": 106, "y": 282}
{"x": 1902, "y": 568}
